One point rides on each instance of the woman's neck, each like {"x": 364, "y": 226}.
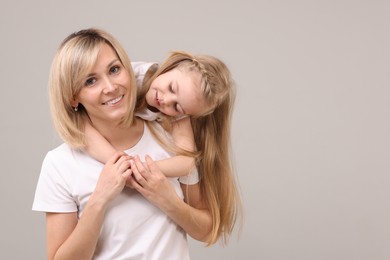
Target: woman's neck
{"x": 122, "y": 138}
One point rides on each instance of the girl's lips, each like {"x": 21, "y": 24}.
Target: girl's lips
{"x": 157, "y": 101}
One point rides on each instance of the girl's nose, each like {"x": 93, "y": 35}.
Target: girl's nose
{"x": 169, "y": 99}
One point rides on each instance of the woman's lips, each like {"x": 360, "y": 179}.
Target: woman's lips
{"x": 114, "y": 101}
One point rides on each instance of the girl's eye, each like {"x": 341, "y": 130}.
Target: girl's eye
{"x": 171, "y": 89}
{"x": 114, "y": 69}
{"x": 90, "y": 82}
{"x": 178, "y": 109}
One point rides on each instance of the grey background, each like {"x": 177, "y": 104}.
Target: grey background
{"x": 311, "y": 132}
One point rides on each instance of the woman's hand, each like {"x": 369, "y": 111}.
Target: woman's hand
{"x": 148, "y": 180}
{"x": 113, "y": 178}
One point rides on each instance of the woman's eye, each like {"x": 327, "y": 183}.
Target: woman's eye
{"x": 114, "y": 69}
{"x": 90, "y": 82}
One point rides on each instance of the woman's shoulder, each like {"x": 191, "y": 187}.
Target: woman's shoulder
{"x": 63, "y": 152}
{"x": 61, "y": 149}
{"x": 141, "y": 70}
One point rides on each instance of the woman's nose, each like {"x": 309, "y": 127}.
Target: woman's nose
{"x": 109, "y": 86}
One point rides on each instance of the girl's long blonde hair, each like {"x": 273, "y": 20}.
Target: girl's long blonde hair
{"x": 212, "y": 136}
{"x": 74, "y": 59}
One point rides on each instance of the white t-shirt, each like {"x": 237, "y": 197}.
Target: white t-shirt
{"x": 133, "y": 228}
{"x": 140, "y": 68}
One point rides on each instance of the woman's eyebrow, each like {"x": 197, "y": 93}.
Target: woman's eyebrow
{"x": 108, "y": 66}
{"x": 112, "y": 62}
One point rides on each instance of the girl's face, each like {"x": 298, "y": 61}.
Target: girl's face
{"x": 177, "y": 92}
{"x": 104, "y": 92}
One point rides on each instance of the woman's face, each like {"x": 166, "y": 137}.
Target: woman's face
{"x": 104, "y": 92}
{"x": 177, "y": 92}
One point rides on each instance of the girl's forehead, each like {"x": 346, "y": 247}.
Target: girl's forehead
{"x": 187, "y": 69}
{"x": 193, "y": 75}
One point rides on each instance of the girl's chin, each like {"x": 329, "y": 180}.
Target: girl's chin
{"x": 151, "y": 101}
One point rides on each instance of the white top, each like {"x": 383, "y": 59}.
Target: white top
{"x": 140, "y": 68}
{"x": 133, "y": 228}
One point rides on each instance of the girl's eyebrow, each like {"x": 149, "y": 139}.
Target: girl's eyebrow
{"x": 177, "y": 93}
{"x": 177, "y": 86}
{"x": 182, "y": 109}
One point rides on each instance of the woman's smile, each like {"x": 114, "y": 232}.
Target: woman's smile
{"x": 114, "y": 101}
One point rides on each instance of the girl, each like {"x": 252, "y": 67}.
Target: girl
{"x": 192, "y": 97}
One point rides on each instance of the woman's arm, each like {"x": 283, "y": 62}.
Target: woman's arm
{"x": 69, "y": 238}
{"x": 100, "y": 149}
{"x": 191, "y": 214}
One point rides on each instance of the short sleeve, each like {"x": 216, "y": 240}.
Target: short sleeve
{"x": 190, "y": 179}
{"x": 52, "y": 193}
{"x": 140, "y": 69}
{"x": 148, "y": 115}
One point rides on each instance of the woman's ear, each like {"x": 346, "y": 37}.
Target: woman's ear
{"x": 75, "y": 104}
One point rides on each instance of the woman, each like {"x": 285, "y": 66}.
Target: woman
{"x": 89, "y": 211}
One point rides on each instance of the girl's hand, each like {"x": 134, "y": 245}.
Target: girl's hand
{"x": 148, "y": 180}
{"x": 194, "y": 217}
{"x": 113, "y": 178}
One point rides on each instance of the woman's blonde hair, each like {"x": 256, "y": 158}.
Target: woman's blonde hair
{"x": 73, "y": 61}
{"x": 212, "y": 136}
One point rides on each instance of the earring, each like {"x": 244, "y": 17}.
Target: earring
{"x": 76, "y": 108}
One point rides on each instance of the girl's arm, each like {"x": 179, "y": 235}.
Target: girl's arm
{"x": 70, "y": 238}
{"x": 183, "y": 137}
{"x": 191, "y": 214}
{"x": 97, "y": 146}
{"x": 100, "y": 149}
